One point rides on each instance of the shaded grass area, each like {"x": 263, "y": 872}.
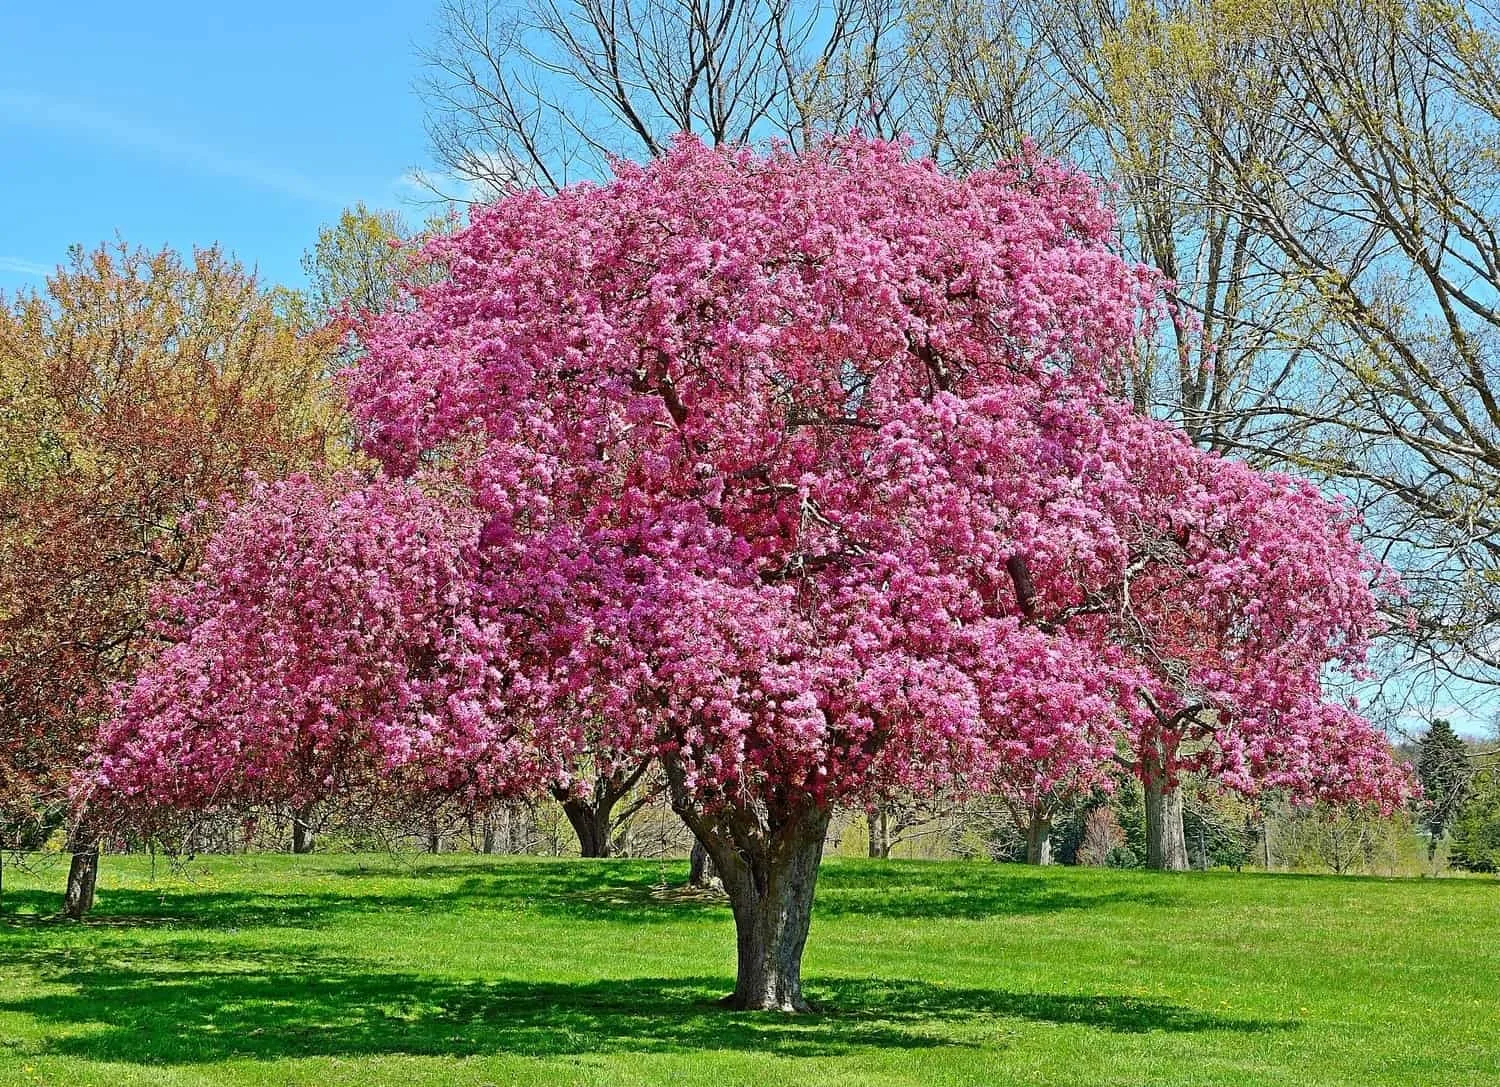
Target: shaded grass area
{"x": 335, "y": 969}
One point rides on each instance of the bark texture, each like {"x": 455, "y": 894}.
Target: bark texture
{"x": 772, "y": 898}
{"x": 590, "y": 821}
{"x": 597, "y": 819}
{"x": 1039, "y": 840}
{"x": 879, "y": 826}
{"x": 701, "y": 870}
{"x": 302, "y": 831}
{"x": 767, "y": 855}
{"x": 83, "y": 876}
{"x": 1166, "y": 843}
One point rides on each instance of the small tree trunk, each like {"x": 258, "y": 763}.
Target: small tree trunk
{"x": 1039, "y": 839}
{"x": 434, "y": 836}
{"x": 302, "y": 831}
{"x": 83, "y": 876}
{"x": 489, "y": 840}
{"x": 879, "y": 826}
{"x": 701, "y": 871}
{"x": 591, "y": 823}
{"x": 1166, "y": 843}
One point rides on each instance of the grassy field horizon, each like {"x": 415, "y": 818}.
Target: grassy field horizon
{"x": 374, "y": 970}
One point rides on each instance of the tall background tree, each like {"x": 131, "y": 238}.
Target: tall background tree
{"x": 135, "y": 389}
{"x": 1387, "y": 222}
{"x": 1445, "y": 774}
{"x": 1147, "y": 96}
{"x": 540, "y": 93}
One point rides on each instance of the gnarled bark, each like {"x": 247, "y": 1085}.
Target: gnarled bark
{"x": 1166, "y": 839}
{"x": 767, "y": 855}
{"x": 772, "y": 905}
{"x": 1166, "y": 843}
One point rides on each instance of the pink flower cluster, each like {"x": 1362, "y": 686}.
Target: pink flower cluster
{"x": 796, "y": 469}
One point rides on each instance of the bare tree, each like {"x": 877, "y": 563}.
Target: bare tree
{"x": 1387, "y": 219}
{"x": 539, "y": 93}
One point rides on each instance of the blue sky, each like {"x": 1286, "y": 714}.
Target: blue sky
{"x": 180, "y": 123}
{"x": 169, "y": 122}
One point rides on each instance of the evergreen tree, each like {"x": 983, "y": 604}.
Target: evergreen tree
{"x": 1443, "y": 768}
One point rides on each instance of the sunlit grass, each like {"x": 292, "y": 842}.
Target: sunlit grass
{"x": 373, "y": 971}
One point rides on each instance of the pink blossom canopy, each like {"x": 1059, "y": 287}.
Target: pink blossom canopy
{"x": 799, "y": 471}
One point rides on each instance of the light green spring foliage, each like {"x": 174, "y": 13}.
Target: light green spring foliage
{"x": 1474, "y": 841}
{"x": 362, "y": 260}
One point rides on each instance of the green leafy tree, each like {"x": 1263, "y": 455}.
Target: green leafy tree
{"x": 358, "y": 261}
{"x": 1444, "y": 770}
{"x": 1474, "y": 837}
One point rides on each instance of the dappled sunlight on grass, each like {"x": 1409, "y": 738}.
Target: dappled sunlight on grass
{"x": 536, "y": 969}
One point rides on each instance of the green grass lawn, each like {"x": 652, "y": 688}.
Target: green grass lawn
{"x": 374, "y": 971}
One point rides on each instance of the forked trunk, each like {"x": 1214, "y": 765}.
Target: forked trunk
{"x": 767, "y": 852}
{"x": 592, "y": 825}
{"x": 1166, "y": 843}
{"x": 1039, "y": 839}
{"x": 600, "y": 832}
{"x": 771, "y": 898}
{"x": 83, "y": 876}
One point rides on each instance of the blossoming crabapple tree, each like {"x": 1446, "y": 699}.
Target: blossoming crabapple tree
{"x": 317, "y": 623}
{"x": 798, "y": 473}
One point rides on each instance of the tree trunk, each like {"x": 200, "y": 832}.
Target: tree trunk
{"x": 518, "y": 828}
{"x": 878, "y": 822}
{"x": 1166, "y": 843}
{"x": 701, "y": 870}
{"x": 83, "y": 875}
{"x": 490, "y": 841}
{"x": 591, "y": 824}
{"x": 767, "y": 853}
{"x": 302, "y": 831}
{"x": 434, "y": 836}
{"x": 1039, "y": 839}
{"x": 593, "y": 818}
{"x": 771, "y": 898}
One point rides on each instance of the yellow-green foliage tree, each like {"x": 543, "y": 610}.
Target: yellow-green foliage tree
{"x": 136, "y": 389}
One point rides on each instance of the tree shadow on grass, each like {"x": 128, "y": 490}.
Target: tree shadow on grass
{"x": 631, "y": 891}
{"x": 584, "y": 891}
{"x": 610, "y": 892}
{"x": 195, "y": 1001}
{"x": 918, "y": 889}
{"x": 187, "y": 908}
